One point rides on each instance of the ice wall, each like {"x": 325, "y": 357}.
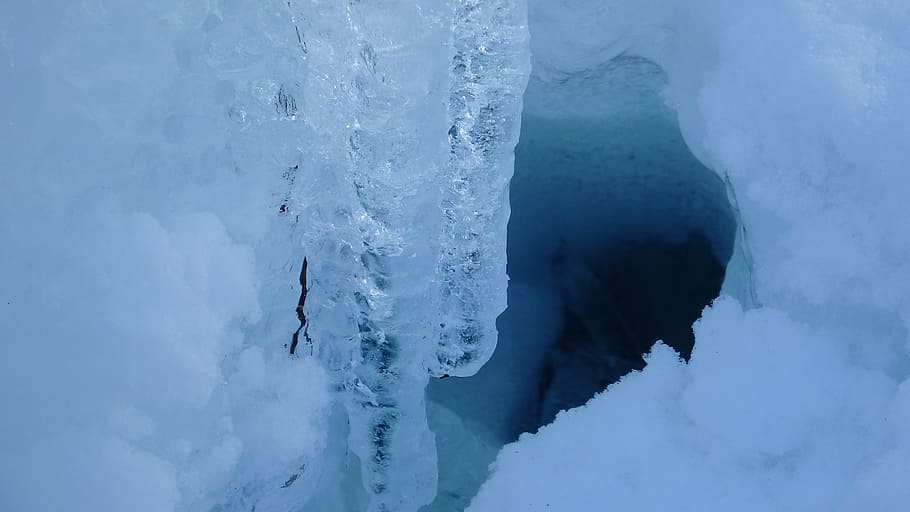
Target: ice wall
{"x": 141, "y": 176}
{"x": 373, "y": 86}
{"x": 414, "y": 114}
{"x": 800, "y": 402}
{"x": 167, "y": 167}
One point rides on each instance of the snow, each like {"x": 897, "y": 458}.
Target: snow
{"x": 617, "y": 232}
{"x": 402, "y": 203}
{"x": 740, "y": 426}
{"x": 166, "y": 166}
{"x": 133, "y": 369}
{"x": 798, "y": 401}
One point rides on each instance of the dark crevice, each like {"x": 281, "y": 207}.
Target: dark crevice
{"x": 300, "y": 39}
{"x": 301, "y": 315}
{"x": 285, "y": 104}
{"x": 289, "y": 175}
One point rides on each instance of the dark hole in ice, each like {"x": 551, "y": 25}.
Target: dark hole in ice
{"x": 619, "y": 237}
{"x": 614, "y": 309}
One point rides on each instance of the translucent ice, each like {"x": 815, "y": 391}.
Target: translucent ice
{"x": 178, "y": 162}
{"x": 413, "y": 114}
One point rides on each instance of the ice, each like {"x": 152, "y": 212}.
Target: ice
{"x": 795, "y": 395}
{"x": 142, "y": 367}
{"x": 689, "y": 435}
{"x": 167, "y": 167}
{"x": 403, "y": 212}
{"x": 617, "y": 236}
{"x": 368, "y": 204}
{"x": 489, "y": 72}
{"x": 179, "y": 165}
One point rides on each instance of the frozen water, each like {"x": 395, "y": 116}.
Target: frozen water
{"x": 403, "y": 208}
{"x": 178, "y": 165}
{"x": 489, "y": 71}
{"x": 617, "y": 237}
{"x": 796, "y": 401}
{"x": 372, "y": 88}
{"x": 166, "y": 166}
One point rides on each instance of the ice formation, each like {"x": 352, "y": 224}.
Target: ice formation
{"x": 167, "y": 166}
{"x": 617, "y": 237}
{"x": 403, "y": 207}
{"x": 796, "y": 396}
{"x": 216, "y": 147}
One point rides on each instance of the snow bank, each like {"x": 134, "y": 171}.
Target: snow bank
{"x": 150, "y": 252}
{"x": 137, "y": 371}
{"x": 740, "y": 427}
{"x": 800, "y": 403}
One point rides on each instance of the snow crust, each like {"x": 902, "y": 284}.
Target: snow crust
{"x": 798, "y": 399}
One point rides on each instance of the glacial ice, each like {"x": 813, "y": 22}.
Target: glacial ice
{"x": 167, "y": 166}
{"x": 403, "y": 205}
{"x": 217, "y": 146}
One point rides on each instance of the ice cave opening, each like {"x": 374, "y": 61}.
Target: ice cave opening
{"x": 618, "y": 237}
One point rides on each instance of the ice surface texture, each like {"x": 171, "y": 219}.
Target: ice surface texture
{"x": 167, "y": 165}
{"x": 403, "y": 204}
{"x": 489, "y": 71}
{"x": 170, "y": 165}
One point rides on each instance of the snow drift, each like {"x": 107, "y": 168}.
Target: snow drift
{"x": 800, "y": 402}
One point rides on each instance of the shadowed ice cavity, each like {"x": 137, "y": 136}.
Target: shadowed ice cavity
{"x": 618, "y": 237}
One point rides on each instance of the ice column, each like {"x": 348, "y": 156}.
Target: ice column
{"x": 489, "y": 72}
{"x": 403, "y": 210}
